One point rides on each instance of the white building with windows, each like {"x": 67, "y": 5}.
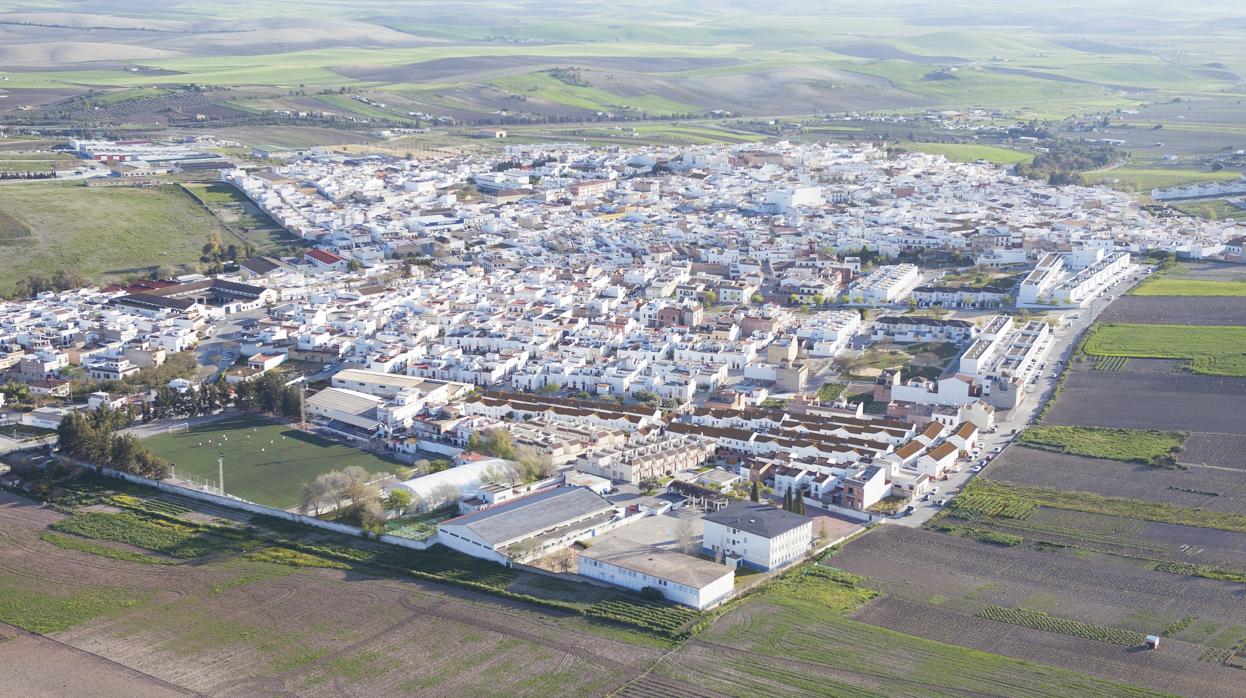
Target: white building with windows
{"x": 758, "y": 535}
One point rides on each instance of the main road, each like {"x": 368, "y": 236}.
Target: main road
{"x": 1021, "y": 416}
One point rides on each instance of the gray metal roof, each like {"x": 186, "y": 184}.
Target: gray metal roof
{"x": 533, "y": 514}
{"x": 759, "y": 519}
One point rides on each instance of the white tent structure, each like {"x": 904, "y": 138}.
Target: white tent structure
{"x": 438, "y": 489}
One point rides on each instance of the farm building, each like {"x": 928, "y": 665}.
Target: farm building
{"x": 646, "y": 553}
{"x": 530, "y": 526}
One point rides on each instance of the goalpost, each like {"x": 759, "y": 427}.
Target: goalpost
{"x": 176, "y": 428}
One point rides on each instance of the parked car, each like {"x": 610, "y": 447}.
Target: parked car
{"x": 976, "y": 469}
{"x": 934, "y": 490}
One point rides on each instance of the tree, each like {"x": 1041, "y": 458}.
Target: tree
{"x": 441, "y": 495}
{"x": 399, "y": 500}
{"x": 753, "y": 493}
{"x": 533, "y": 465}
{"x": 685, "y": 533}
{"x": 787, "y": 500}
{"x": 926, "y": 359}
{"x": 493, "y": 442}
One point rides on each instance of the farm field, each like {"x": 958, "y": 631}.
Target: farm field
{"x": 1214, "y": 489}
{"x": 233, "y": 624}
{"x": 1147, "y": 447}
{"x": 935, "y": 585}
{"x": 251, "y": 224}
{"x": 656, "y": 58}
{"x": 1167, "y": 286}
{"x": 1223, "y": 450}
{"x": 101, "y": 232}
{"x": 1212, "y": 349}
{"x": 1211, "y": 209}
{"x": 1174, "y": 310}
{"x": 265, "y": 462}
{"x": 995, "y": 498}
{"x": 38, "y": 666}
{"x": 1145, "y": 178}
{"x": 800, "y": 642}
{"x": 969, "y": 152}
{"x": 1132, "y": 399}
{"x": 238, "y": 627}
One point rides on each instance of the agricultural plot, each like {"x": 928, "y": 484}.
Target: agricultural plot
{"x": 798, "y": 641}
{"x": 970, "y": 152}
{"x": 251, "y": 225}
{"x": 1212, "y": 350}
{"x": 265, "y": 462}
{"x": 1136, "y": 446}
{"x": 1136, "y": 400}
{"x": 1223, "y": 450}
{"x": 1177, "y": 310}
{"x": 1210, "y": 488}
{"x": 1063, "y": 610}
{"x": 235, "y": 626}
{"x": 39, "y": 666}
{"x": 1166, "y": 286}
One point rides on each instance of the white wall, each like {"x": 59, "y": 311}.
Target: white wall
{"x": 679, "y": 593}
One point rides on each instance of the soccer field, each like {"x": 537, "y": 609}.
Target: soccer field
{"x": 265, "y": 462}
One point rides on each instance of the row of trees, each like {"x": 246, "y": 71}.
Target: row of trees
{"x": 94, "y": 438}
{"x": 269, "y": 393}
{"x": 351, "y": 494}
{"x": 794, "y": 502}
{"x": 37, "y": 283}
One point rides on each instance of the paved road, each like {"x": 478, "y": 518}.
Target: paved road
{"x": 1023, "y": 414}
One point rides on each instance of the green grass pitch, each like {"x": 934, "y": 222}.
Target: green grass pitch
{"x": 265, "y": 462}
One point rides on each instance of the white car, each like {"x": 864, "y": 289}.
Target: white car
{"x": 976, "y": 469}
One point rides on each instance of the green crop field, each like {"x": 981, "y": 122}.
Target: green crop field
{"x": 1211, "y": 209}
{"x": 265, "y": 462}
{"x": 1212, "y": 350}
{"x": 101, "y": 232}
{"x": 1145, "y": 178}
{"x": 1161, "y": 286}
{"x": 1134, "y": 445}
{"x": 968, "y": 152}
